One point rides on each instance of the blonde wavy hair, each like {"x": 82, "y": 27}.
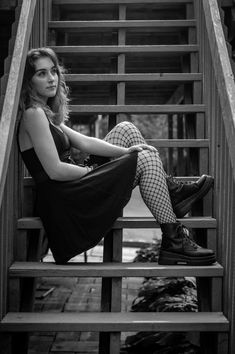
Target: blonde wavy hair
{"x": 57, "y": 106}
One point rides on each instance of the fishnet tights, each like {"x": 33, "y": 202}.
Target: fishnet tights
{"x": 150, "y": 175}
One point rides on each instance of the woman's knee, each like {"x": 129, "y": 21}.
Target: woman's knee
{"x": 126, "y": 126}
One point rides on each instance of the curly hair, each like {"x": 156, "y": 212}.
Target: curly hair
{"x": 57, "y": 106}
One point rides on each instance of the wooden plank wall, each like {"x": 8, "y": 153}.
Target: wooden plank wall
{"x": 11, "y": 175}
{"x": 39, "y": 31}
{"x": 219, "y": 98}
{"x": 8, "y": 214}
{"x": 9, "y": 155}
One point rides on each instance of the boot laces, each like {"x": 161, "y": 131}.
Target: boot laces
{"x": 176, "y": 181}
{"x": 184, "y": 232}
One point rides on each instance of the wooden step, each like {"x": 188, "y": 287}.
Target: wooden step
{"x": 179, "y": 143}
{"x": 29, "y": 182}
{"x": 156, "y": 77}
{"x": 126, "y": 2}
{"x": 29, "y": 223}
{"x": 99, "y": 109}
{"x": 46, "y": 269}
{"x": 122, "y": 24}
{"x": 115, "y": 322}
{"x": 127, "y": 49}
{"x": 227, "y": 3}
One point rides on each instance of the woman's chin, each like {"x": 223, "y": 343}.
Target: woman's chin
{"x": 51, "y": 94}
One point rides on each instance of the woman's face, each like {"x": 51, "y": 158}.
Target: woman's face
{"x": 45, "y": 79}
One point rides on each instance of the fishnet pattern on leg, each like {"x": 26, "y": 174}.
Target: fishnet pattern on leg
{"x": 153, "y": 188}
{"x": 125, "y": 134}
{"x": 150, "y": 175}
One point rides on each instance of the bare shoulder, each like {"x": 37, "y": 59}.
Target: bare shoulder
{"x": 35, "y": 117}
{"x": 31, "y": 112}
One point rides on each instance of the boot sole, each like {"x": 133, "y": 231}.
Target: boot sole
{"x": 171, "y": 258}
{"x": 182, "y": 208}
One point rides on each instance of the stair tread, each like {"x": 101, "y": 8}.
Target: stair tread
{"x": 115, "y": 321}
{"x": 181, "y": 77}
{"x": 178, "y": 142}
{"x": 28, "y": 181}
{"x": 76, "y": 2}
{"x": 122, "y": 24}
{"x": 130, "y": 222}
{"x": 190, "y": 108}
{"x": 48, "y": 269}
{"x": 162, "y": 48}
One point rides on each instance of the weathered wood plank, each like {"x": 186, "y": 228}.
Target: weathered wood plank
{"x": 126, "y": 2}
{"x": 8, "y": 4}
{"x": 126, "y": 49}
{"x": 139, "y": 321}
{"x": 226, "y": 3}
{"x": 130, "y": 222}
{"x": 137, "y": 108}
{"x": 110, "y": 269}
{"x": 179, "y": 143}
{"x": 29, "y": 182}
{"x": 10, "y": 105}
{"x": 171, "y": 77}
{"x": 121, "y": 24}
{"x": 194, "y": 222}
{"x": 223, "y": 72}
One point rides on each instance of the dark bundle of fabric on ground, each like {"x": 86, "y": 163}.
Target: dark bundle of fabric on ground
{"x": 159, "y": 294}
{"x": 167, "y": 295}
{"x": 159, "y": 343}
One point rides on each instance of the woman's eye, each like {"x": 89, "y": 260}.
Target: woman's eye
{"x": 41, "y": 73}
{"x": 54, "y": 71}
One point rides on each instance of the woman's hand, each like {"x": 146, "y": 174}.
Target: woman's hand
{"x": 141, "y": 147}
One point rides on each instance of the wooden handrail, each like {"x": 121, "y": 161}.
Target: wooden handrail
{"x": 223, "y": 72}
{"x": 219, "y": 100}
{"x": 11, "y": 100}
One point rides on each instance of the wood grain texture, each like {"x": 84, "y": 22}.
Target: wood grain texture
{"x": 137, "y": 108}
{"x": 169, "y": 49}
{"x": 168, "y": 77}
{"x": 10, "y": 105}
{"x": 139, "y": 321}
{"x": 130, "y": 222}
{"x": 223, "y": 72}
{"x": 110, "y": 269}
{"x": 160, "y": 2}
{"x": 122, "y": 24}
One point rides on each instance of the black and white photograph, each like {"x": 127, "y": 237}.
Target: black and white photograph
{"x": 117, "y": 177}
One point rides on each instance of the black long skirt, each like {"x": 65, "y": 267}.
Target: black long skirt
{"x": 77, "y": 214}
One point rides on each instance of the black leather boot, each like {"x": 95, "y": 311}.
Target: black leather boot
{"x": 178, "y": 248}
{"x": 184, "y": 195}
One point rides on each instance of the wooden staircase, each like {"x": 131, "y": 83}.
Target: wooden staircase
{"x": 112, "y": 74}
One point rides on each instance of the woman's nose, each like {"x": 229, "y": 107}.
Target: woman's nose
{"x": 50, "y": 77}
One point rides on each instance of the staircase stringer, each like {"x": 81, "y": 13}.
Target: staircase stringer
{"x": 219, "y": 99}
{"x": 29, "y": 15}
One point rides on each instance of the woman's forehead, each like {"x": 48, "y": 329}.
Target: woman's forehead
{"x": 43, "y": 63}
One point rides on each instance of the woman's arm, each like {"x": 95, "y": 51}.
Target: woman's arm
{"x": 99, "y": 147}
{"x": 37, "y": 127}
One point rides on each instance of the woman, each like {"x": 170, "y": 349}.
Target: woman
{"x": 78, "y": 204}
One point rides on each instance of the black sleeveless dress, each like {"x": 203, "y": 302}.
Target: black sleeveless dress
{"x": 77, "y": 214}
